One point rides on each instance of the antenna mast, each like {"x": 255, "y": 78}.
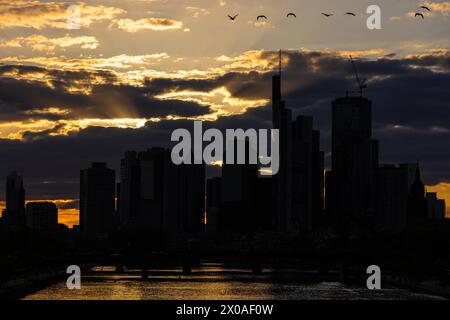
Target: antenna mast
{"x": 279, "y": 68}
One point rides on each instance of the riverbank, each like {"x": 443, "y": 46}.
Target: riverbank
{"x": 18, "y": 288}
{"x": 428, "y": 287}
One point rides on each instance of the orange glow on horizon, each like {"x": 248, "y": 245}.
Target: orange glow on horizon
{"x": 69, "y": 217}
{"x": 443, "y": 192}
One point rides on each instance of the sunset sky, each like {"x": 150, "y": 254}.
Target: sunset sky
{"x": 138, "y": 69}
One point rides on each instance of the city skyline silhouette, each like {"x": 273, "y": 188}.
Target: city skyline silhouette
{"x": 304, "y": 193}
{"x": 356, "y": 189}
{"x": 162, "y": 213}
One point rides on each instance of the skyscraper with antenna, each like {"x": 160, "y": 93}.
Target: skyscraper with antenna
{"x": 279, "y": 62}
{"x": 282, "y": 182}
{"x": 297, "y": 188}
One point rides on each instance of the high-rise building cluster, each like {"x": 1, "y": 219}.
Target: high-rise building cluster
{"x": 154, "y": 194}
{"x": 38, "y": 216}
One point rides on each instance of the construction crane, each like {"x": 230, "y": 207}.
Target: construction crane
{"x": 362, "y": 84}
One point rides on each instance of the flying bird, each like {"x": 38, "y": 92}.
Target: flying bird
{"x": 291, "y": 15}
{"x": 261, "y": 17}
{"x": 419, "y": 15}
{"x": 327, "y": 14}
{"x": 424, "y": 7}
{"x": 234, "y": 17}
{"x": 350, "y": 14}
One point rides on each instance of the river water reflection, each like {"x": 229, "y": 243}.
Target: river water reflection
{"x": 212, "y": 282}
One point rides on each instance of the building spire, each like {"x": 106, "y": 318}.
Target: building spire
{"x": 418, "y": 178}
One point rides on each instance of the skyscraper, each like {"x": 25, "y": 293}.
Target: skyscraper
{"x": 318, "y": 181}
{"x": 128, "y": 190}
{"x": 97, "y": 199}
{"x": 298, "y": 186}
{"x": 392, "y": 197}
{"x": 214, "y": 204}
{"x": 184, "y": 197}
{"x": 282, "y": 182}
{"x": 15, "y": 199}
{"x": 417, "y": 203}
{"x": 157, "y": 195}
{"x": 355, "y": 157}
{"x": 307, "y": 175}
{"x": 329, "y": 201}
{"x": 411, "y": 169}
{"x": 239, "y": 193}
{"x": 302, "y": 173}
{"x": 151, "y": 188}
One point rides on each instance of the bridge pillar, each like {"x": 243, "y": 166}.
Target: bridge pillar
{"x": 257, "y": 268}
{"x": 187, "y": 268}
{"x": 119, "y": 268}
{"x": 343, "y": 271}
{"x": 324, "y": 266}
{"x": 144, "y": 273}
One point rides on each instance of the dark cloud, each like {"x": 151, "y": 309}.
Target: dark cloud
{"x": 51, "y": 164}
{"x": 105, "y": 100}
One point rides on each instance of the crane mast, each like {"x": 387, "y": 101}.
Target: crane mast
{"x": 361, "y": 83}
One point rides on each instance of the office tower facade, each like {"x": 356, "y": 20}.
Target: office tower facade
{"x": 97, "y": 199}
{"x": 152, "y": 179}
{"x": 329, "y": 201}
{"x": 184, "y": 197}
{"x": 42, "y": 216}
{"x": 264, "y": 204}
{"x": 411, "y": 169}
{"x": 213, "y": 204}
{"x": 355, "y": 158}
{"x": 307, "y": 175}
{"x": 391, "y": 198}
{"x": 15, "y": 199}
{"x": 283, "y": 220}
{"x": 297, "y": 189}
{"x": 128, "y": 190}
{"x": 239, "y": 193}
{"x": 116, "y": 222}
{"x": 318, "y": 180}
{"x": 302, "y": 174}
{"x": 157, "y": 195}
{"x": 435, "y": 207}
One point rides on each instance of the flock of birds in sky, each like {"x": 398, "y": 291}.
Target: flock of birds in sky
{"x": 293, "y": 15}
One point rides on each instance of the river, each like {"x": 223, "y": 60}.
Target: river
{"x": 213, "y": 282}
